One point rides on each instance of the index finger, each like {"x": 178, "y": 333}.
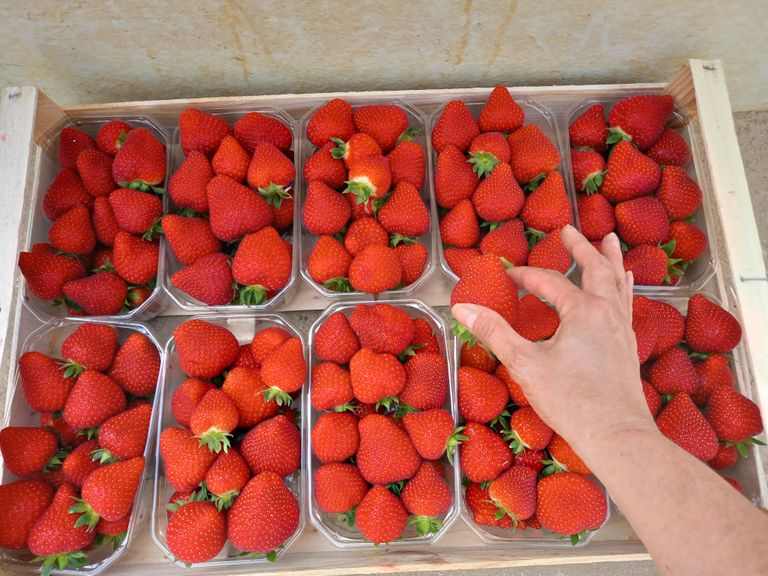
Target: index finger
{"x": 597, "y": 274}
{"x": 546, "y": 284}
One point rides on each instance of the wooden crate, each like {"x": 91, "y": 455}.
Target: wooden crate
{"x": 28, "y": 118}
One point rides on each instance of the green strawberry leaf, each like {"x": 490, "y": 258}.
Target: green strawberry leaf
{"x": 408, "y": 134}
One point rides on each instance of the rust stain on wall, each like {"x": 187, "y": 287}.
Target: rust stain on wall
{"x": 499, "y": 37}
{"x": 464, "y": 33}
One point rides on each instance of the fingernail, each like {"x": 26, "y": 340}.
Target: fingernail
{"x": 613, "y": 239}
{"x": 568, "y": 229}
{"x": 465, "y": 313}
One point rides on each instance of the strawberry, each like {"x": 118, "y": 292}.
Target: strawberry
{"x": 55, "y": 539}
{"x": 186, "y": 461}
{"x": 95, "y": 170}
{"x": 645, "y": 335}
{"x": 255, "y": 128}
{"x": 482, "y": 397}
{"x": 135, "y": 211}
{"x": 682, "y": 423}
{"x": 332, "y": 119}
{"x": 596, "y": 216}
{"x": 204, "y": 349}
{"x": 533, "y": 459}
{"x": 196, "y": 532}
{"x": 273, "y": 445}
{"x": 27, "y": 450}
{"x": 426, "y": 382}
{"x": 105, "y": 224}
{"x": 564, "y": 458}
{"x": 514, "y": 389}
{"x": 710, "y": 328}
{"x": 486, "y": 151}
{"x": 484, "y": 455}
{"x": 358, "y": 147}
{"x": 187, "y": 186}
{"x": 244, "y": 387}
{"x": 454, "y": 178}
{"x": 648, "y": 264}
{"x": 331, "y": 386}
{"x": 381, "y": 516}
{"x": 405, "y": 212}
{"x": 385, "y": 123}
{"x": 94, "y": 398}
{"x": 65, "y": 192}
{"x": 640, "y": 119}
{"x": 201, "y": 131}
{"x": 547, "y": 207}
{"x": 413, "y": 260}
{"x": 282, "y": 215}
{"x": 24, "y": 501}
{"x": 46, "y": 271}
{"x": 689, "y": 240}
{"x": 642, "y": 221}
{"x": 71, "y": 142}
{"x": 550, "y": 253}
{"x": 500, "y": 113}
{"x": 498, "y": 197}
{"x": 112, "y": 135}
{"x": 135, "y": 259}
{"x": 72, "y": 233}
{"x": 326, "y": 211}
{"x": 44, "y": 385}
{"x": 406, "y": 162}
{"x": 369, "y": 178}
{"x": 478, "y": 357}
{"x": 262, "y": 263}
{"x": 432, "y": 433}
{"x": 284, "y": 371}
{"x": 235, "y": 210}
{"x": 244, "y": 358}
{"x": 102, "y": 258}
{"x": 424, "y": 340}
{"x": 186, "y": 398}
{"x": 713, "y": 372}
{"x": 189, "y": 238}
{"x": 570, "y": 504}
{"x": 113, "y": 532}
{"x": 103, "y": 293}
{"x": 375, "y": 269}
{"x": 669, "y": 323}
{"x": 734, "y": 417}
{"x": 535, "y": 319}
{"x": 588, "y": 167}
{"x": 375, "y": 376}
{"x": 124, "y": 435}
{"x": 726, "y": 457}
{"x": 231, "y": 159}
{"x": 335, "y": 437}
{"x": 674, "y": 372}
{"x": 108, "y": 492}
{"x": 140, "y": 161}
{"x": 226, "y": 477}
{"x": 338, "y": 488}
{"x": 527, "y": 430}
{"x": 670, "y": 149}
{"x": 679, "y": 193}
{"x": 455, "y": 126}
{"x": 213, "y": 420}
{"x": 482, "y": 507}
{"x": 514, "y": 493}
{"x": 383, "y": 328}
{"x": 68, "y": 436}
{"x": 91, "y": 346}
{"x": 532, "y": 154}
{"x": 323, "y": 167}
{"x": 629, "y": 174}
{"x": 386, "y": 453}
{"x": 271, "y": 172}
{"x": 652, "y": 398}
{"x": 459, "y": 228}
{"x": 335, "y": 340}
{"x": 328, "y": 263}
{"x": 136, "y": 366}
{"x": 426, "y": 496}
{"x": 458, "y": 259}
{"x": 589, "y": 130}
{"x": 208, "y": 280}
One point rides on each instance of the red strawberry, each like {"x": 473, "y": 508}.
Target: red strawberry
{"x": 514, "y": 493}
{"x": 404, "y": 213}
{"x": 204, "y": 349}
{"x": 713, "y": 372}
{"x": 455, "y": 126}
{"x": 548, "y": 207}
{"x": 533, "y": 155}
{"x": 95, "y": 170}
{"x": 244, "y": 358}
{"x": 335, "y": 340}
{"x": 273, "y": 445}
{"x": 459, "y": 228}
{"x": 140, "y": 161}
{"x": 186, "y": 398}
{"x": 570, "y": 503}
{"x": 65, "y": 192}
{"x": 46, "y": 271}
{"x": 375, "y": 269}
{"x": 565, "y": 458}
{"x": 681, "y": 422}
{"x": 71, "y": 142}
{"x": 426, "y": 496}
{"x": 27, "y": 450}
{"x": 642, "y": 221}
{"x": 550, "y": 253}
{"x": 187, "y": 186}
{"x": 124, "y": 435}
{"x": 338, "y": 488}
{"x": 326, "y": 211}
{"x": 226, "y": 477}
{"x": 369, "y": 178}
{"x": 690, "y": 241}
{"x": 375, "y": 376}
{"x": 331, "y": 386}
{"x": 381, "y": 516}
{"x": 710, "y": 328}
{"x": 458, "y": 259}
{"x": 134, "y": 259}
{"x": 652, "y": 398}
{"x": 323, "y": 167}
{"x": 135, "y": 211}
{"x": 383, "y": 328}
{"x": 669, "y": 323}
{"x": 535, "y": 319}
{"x": 527, "y": 430}
{"x": 201, "y": 131}
{"x": 332, "y": 119}
{"x": 186, "y": 462}
{"x": 648, "y": 264}
{"x": 589, "y": 130}
{"x": 254, "y": 128}
{"x": 262, "y": 264}
{"x": 386, "y": 453}
{"x": 136, "y": 366}
{"x": 424, "y": 340}
{"x": 501, "y": 113}
{"x": 54, "y": 535}
{"x": 73, "y": 233}
{"x": 284, "y": 370}
{"x": 104, "y": 222}
{"x": 514, "y": 389}
{"x": 482, "y": 508}
{"x": 282, "y": 215}
{"x": 674, "y": 372}
{"x": 103, "y": 293}
{"x": 94, "y": 398}
{"x": 432, "y": 433}
{"x": 734, "y": 417}
{"x": 196, "y": 532}
{"x": 484, "y": 455}
{"x": 108, "y": 492}
{"x": 189, "y": 238}
{"x": 640, "y": 119}
{"x": 245, "y": 389}
{"x": 426, "y": 382}
{"x": 271, "y": 172}
{"x": 486, "y": 151}
{"x": 482, "y": 397}
{"x": 91, "y": 346}
{"x": 385, "y": 123}
{"x": 406, "y": 162}
{"x": 335, "y": 437}
{"x": 588, "y": 167}
{"x": 596, "y": 216}
{"x": 358, "y": 147}
{"x": 24, "y": 501}
{"x": 478, "y": 357}
{"x": 670, "y": 149}
{"x": 231, "y": 159}
{"x": 498, "y": 197}
{"x": 679, "y": 193}
{"x": 43, "y": 383}
{"x": 646, "y": 335}
{"x": 629, "y": 174}
{"x": 112, "y": 135}
{"x": 329, "y": 262}
{"x": 454, "y": 178}
{"x": 235, "y": 210}
{"x": 726, "y": 457}
{"x": 413, "y": 260}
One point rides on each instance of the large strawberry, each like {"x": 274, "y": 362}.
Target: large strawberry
{"x": 629, "y": 174}
{"x": 245, "y": 389}
{"x": 196, "y": 532}
{"x": 640, "y": 119}
{"x": 43, "y": 383}
{"x": 674, "y": 372}
{"x": 47, "y": 272}
{"x": 254, "y": 128}
{"x": 140, "y": 161}
{"x": 24, "y": 501}
{"x": 375, "y": 269}
{"x": 112, "y": 135}
{"x": 323, "y": 167}
{"x": 526, "y": 430}
{"x": 413, "y": 260}
{"x": 589, "y": 130}
{"x": 376, "y": 377}
{"x": 498, "y": 197}
{"x": 570, "y": 504}
{"x": 501, "y": 113}
{"x": 459, "y": 227}
{"x": 714, "y": 371}
{"x": 681, "y": 422}
{"x": 669, "y": 324}
{"x": 331, "y": 386}
{"x": 369, "y": 178}
{"x": 124, "y": 435}
{"x": 109, "y": 492}
{"x": 406, "y": 162}
{"x": 325, "y": 211}
{"x": 208, "y": 279}
{"x": 588, "y": 167}
{"x": 27, "y": 450}
{"x": 454, "y": 178}
{"x": 273, "y": 445}
{"x": 335, "y": 340}
{"x": 187, "y": 186}
{"x": 381, "y": 516}
{"x": 734, "y": 417}
{"x": 426, "y": 382}
{"x": 482, "y": 397}
{"x": 135, "y": 211}
{"x": 455, "y": 126}
{"x": 94, "y": 398}
{"x": 483, "y": 510}
{"x": 265, "y": 342}
{"x": 426, "y": 496}
{"x": 186, "y": 462}
{"x": 332, "y": 120}
{"x": 189, "y": 238}
{"x": 535, "y": 319}
{"x": 201, "y": 131}
{"x": 690, "y": 240}
{"x": 382, "y": 328}
{"x": 262, "y": 265}
{"x": 362, "y": 232}
{"x": 95, "y": 170}
{"x": 508, "y": 241}
{"x": 385, "y": 123}
{"x": 213, "y": 420}
{"x": 284, "y": 371}
{"x": 670, "y": 149}
{"x": 335, "y": 437}
{"x": 642, "y": 221}
{"x": 458, "y": 259}
{"x": 650, "y": 265}
{"x": 71, "y": 142}
{"x": 135, "y": 260}
{"x": 679, "y": 193}
{"x": 235, "y": 210}
{"x": 186, "y": 398}
{"x": 386, "y": 453}
{"x": 226, "y": 477}
{"x": 271, "y": 173}
{"x": 514, "y": 493}
{"x": 72, "y": 233}
{"x": 65, "y": 192}
{"x": 136, "y": 366}
{"x": 596, "y": 216}
{"x": 338, "y": 487}
{"x": 547, "y": 208}
{"x": 204, "y": 349}
{"x": 404, "y": 213}
{"x": 484, "y": 455}
{"x": 533, "y": 155}
{"x": 432, "y": 433}
{"x": 710, "y": 328}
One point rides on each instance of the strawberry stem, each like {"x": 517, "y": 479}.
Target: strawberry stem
{"x": 463, "y": 333}
{"x": 340, "y": 150}
{"x": 72, "y": 368}
{"x": 63, "y": 561}
{"x": 454, "y": 440}
{"x": 616, "y": 135}
{"x": 275, "y": 194}
{"x": 88, "y": 516}
{"x": 425, "y": 525}
{"x": 591, "y": 184}
{"x": 534, "y": 183}
{"x": 349, "y": 516}
{"x": 362, "y": 190}
{"x": 408, "y": 134}
{"x": 252, "y": 295}
{"x": 103, "y": 456}
{"x": 338, "y": 284}
{"x": 281, "y": 397}
{"x": 398, "y": 238}
{"x": 483, "y": 163}
{"x": 216, "y": 440}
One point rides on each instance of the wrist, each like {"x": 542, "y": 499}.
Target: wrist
{"x": 601, "y": 446}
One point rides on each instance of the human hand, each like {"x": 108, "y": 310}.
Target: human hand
{"x": 584, "y": 381}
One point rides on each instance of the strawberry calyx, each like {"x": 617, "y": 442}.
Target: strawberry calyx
{"x": 402, "y": 410}
{"x": 340, "y": 151}
{"x": 576, "y": 538}
{"x": 199, "y": 495}
{"x": 362, "y": 188}
{"x": 71, "y": 368}
{"x": 56, "y": 460}
{"x": 275, "y": 194}
{"x": 408, "y": 134}
{"x": 63, "y": 561}
{"x": 675, "y": 266}
{"x": 463, "y": 333}
{"x": 535, "y": 182}
{"x": 396, "y": 487}
{"x": 490, "y": 225}
{"x": 348, "y": 407}
{"x": 533, "y": 236}
{"x": 501, "y": 512}
{"x": 103, "y": 456}
{"x": 215, "y": 439}
{"x": 552, "y": 466}
{"x": 741, "y": 445}
{"x": 115, "y": 540}
{"x": 348, "y": 517}
{"x": 270, "y": 556}
{"x": 121, "y": 139}
{"x": 252, "y": 295}
{"x": 399, "y": 238}
{"x": 425, "y": 525}
{"x": 142, "y": 186}
{"x": 88, "y": 516}
{"x": 454, "y": 440}
{"x": 501, "y": 421}
{"x": 155, "y": 230}
{"x": 483, "y": 163}
{"x": 224, "y": 501}
{"x": 515, "y": 442}
{"x": 591, "y": 184}
{"x": 281, "y": 397}
{"x": 378, "y": 202}
{"x": 616, "y": 135}
{"x": 338, "y": 284}
{"x": 388, "y": 403}
{"x": 409, "y": 352}
{"x": 697, "y": 356}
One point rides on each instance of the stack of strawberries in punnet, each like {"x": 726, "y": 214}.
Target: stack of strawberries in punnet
{"x": 364, "y": 200}
{"x": 518, "y": 472}
{"x": 381, "y": 443}
{"x": 498, "y": 188}
{"x": 235, "y": 443}
{"x": 80, "y": 469}
{"x": 642, "y": 191}
{"x": 233, "y": 192}
{"x": 102, "y": 252}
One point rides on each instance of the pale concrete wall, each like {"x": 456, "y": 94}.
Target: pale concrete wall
{"x": 92, "y": 51}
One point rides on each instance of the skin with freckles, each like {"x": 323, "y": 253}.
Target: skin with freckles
{"x": 585, "y": 383}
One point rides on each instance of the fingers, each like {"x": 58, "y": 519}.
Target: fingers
{"x": 546, "y": 284}
{"x": 494, "y": 332}
{"x": 630, "y": 284}
{"x": 610, "y": 247}
{"x": 598, "y": 274}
